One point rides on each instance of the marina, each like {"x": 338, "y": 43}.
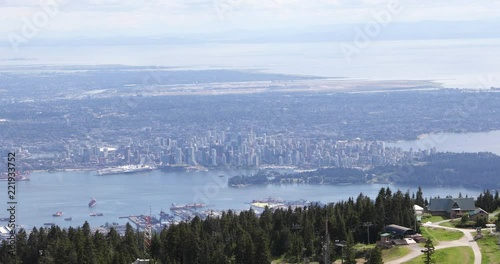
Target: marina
{"x": 187, "y": 212}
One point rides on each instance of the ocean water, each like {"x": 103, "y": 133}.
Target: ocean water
{"x": 135, "y": 194}
{"x": 455, "y": 142}
{"x": 464, "y": 63}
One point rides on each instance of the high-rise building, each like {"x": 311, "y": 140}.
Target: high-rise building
{"x": 214, "y": 157}
{"x": 178, "y": 156}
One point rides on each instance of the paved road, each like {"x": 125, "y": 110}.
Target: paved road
{"x": 466, "y": 240}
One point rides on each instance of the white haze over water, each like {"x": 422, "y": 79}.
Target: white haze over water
{"x": 454, "y": 43}
{"x": 460, "y": 63}
{"x": 455, "y": 142}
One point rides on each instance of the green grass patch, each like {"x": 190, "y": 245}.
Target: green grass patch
{"x": 362, "y": 247}
{"x": 395, "y": 253}
{"x": 496, "y": 212}
{"x": 453, "y": 255}
{"x": 440, "y": 234}
{"x": 281, "y": 261}
{"x": 448, "y": 224}
{"x": 432, "y": 218}
{"x": 489, "y": 249}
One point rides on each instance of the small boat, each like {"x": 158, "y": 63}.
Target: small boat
{"x": 221, "y": 176}
{"x": 96, "y": 214}
{"x": 57, "y": 214}
{"x": 92, "y": 202}
{"x": 68, "y": 219}
{"x": 49, "y": 224}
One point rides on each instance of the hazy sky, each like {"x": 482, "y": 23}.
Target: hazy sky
{"x": 95, "y": 18}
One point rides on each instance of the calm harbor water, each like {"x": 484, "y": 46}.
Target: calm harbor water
{"x": 133, "y": 194}
{"x": 455, "y": 142}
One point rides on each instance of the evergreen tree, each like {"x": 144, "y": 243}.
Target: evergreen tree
{"x": 481, "y": 222}
{"x": 33, "y": 253}
{"x": 349, "y": 253}
{"x": 22, "y": 246}
{"x": 375, "y": 256}
{"x": 245, "y": 249}
{"x": 465, "y": 218}
{"x": 487, "y": 201}
{"x": 155, "y": 250}
{"x": 497, "y": 199}
{"x": 262, "y": 245}
{"x": 428, "y": 251}
{"x": 419, "y": 200}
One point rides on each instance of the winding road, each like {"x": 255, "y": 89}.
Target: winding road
{"x": 466, "y": 240}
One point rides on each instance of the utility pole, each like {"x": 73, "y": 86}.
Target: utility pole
{"x": 367, "y": 225}
{"x": 341, "y": 244}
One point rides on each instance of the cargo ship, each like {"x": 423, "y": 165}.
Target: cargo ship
{"x": 186, "y": 206}
{"x": 268, "y": 202}
{"x": 125, "y": 169}
{"x": 92, "y": 202}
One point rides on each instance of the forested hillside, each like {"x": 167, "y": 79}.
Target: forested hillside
{"x": 233, "y": 238}
{"x": 450, "y": 169}
{"x": 480, "y": 170}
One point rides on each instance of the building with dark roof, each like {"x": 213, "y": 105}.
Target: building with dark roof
{"x": 477, "y": 214}
{"x": 399, "y": 231}
{"x": 451, "y": 207}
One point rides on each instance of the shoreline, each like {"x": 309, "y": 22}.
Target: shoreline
{"x": 65, "y": 170}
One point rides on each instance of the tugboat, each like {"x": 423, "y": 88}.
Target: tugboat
{"x": 57, "y": 214}
{"x": 92, "y": 202}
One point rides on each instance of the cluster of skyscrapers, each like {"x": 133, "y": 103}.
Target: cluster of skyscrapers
{"x": 239, "y": 149}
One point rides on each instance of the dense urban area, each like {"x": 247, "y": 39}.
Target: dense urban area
{"x": 86, "y": 122}
{"x": 114, "y": 119}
